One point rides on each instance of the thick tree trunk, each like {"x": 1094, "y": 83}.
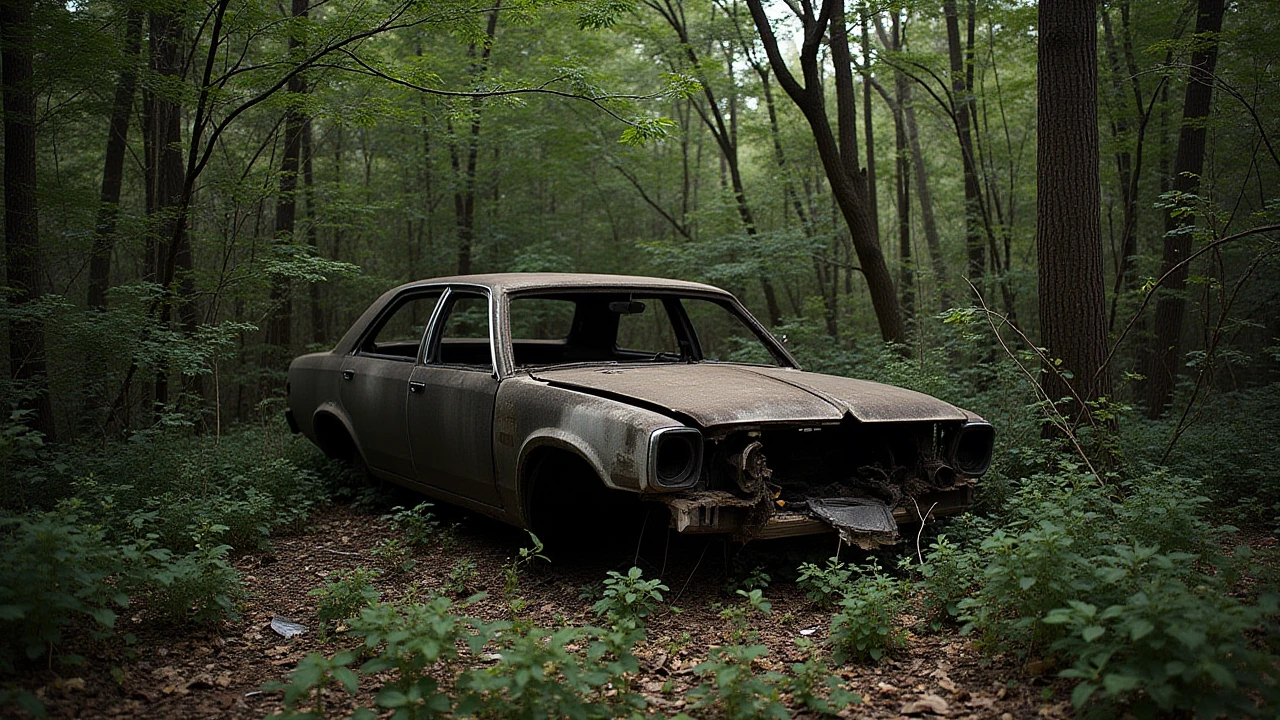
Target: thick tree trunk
{"x": 1068, "y": 203}
{"x": 839, "y": 159}
{"x": 1166, "y": 351}
{"x": 104, "y": 234}
{"x": 21, "y": 211}
{"x": 170, "y": 242}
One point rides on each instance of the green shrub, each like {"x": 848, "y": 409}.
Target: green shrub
{"x": 417, "y": 523}
{"x": 629, "y": 599}
{"x": 866, "y": 625}
{"x": 949, "y": 575}
{"x": 731, "y": 688}
{"x": 53, "y": 570}
{"x": 343, "y": 595}
{"x": 200, "y": 586}
{"x": 812, "y": 686}
{"x": 1169, "y": 646}
{"x": 825, "y": 586}
{"x": 461, "y": 577}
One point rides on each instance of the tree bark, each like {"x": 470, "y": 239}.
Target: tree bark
{"x": 280, "y": 325}
{"x": 21, "y": 210}
{"x": 961, "y": 106}
{"x": 464, "y": 165}
{"x": 839, "y": 159}
{"x": 902, "y": 182}
{"x": 1166, "y": 352}
{"x": 104, "y": 234}
{"x": 1068, "y": 204}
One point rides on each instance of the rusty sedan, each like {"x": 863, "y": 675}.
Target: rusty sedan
{"x": 560, "y": 401}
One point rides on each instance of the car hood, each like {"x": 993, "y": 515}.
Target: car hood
{"x": 715, "y": 394}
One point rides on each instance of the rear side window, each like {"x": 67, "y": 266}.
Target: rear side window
{"x": 400, "y": 333}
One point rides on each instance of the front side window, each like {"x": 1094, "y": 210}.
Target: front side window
{"x": 463, "y": 339}
{"x": 724, "y": 336}
{"x": 399, "y": 334}
{"x": 619, "y": 327}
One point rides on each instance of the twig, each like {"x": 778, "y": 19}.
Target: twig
{"x": 339, "y": 552}
{"x": 920, "y": 532}
{"x": 693, "y": 572}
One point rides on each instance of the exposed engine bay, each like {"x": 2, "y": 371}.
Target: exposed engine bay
{"x": 859, "y": 479}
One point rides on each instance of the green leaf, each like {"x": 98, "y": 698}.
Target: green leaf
{"x": 1092, "y": 632}
{"x": 1081, "y": 694}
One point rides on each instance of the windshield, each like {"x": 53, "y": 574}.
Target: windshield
{"x": 601, "y": 327}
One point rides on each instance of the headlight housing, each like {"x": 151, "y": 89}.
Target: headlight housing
{"x": 971, "y": 448}
{"x": 675, "y": 457}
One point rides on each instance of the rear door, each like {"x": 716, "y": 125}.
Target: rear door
{"x": 375, "y": 380}
{"x": 451, "y": 398}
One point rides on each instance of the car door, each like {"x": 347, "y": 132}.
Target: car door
{"x": 451, "y": 401}
{"x": 375, "y": 380}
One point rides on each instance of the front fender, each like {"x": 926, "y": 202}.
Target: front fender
{"x": 609, "y": 435}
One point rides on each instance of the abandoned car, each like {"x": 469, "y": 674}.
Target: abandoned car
{"x": 548, "y": 399}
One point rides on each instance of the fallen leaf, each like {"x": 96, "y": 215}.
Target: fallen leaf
{"x": 927, "y": 703}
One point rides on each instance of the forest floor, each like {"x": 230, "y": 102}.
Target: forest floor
{"x": 218, "y": 671}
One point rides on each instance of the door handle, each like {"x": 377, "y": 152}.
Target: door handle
{"x": 348, "y": 374}
{"x": 417, "y": 386}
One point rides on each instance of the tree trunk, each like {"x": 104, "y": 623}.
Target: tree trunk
{"x": 1068, "y": 203}
{"x": 280, "y": 324}
{"x": 104, "y": 235}
{"x": 21, "y": 212}
{"x": 167, "y": 176}
{"x": 464, "y": 199}
{"x": 902, "y": 183}
{"x": 839, "y": 159}
{"x": 961, "y": 106}
{"x": 318, "y": 333}
{"x": 1166, "y": 352}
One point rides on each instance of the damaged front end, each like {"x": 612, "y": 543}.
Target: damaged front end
{"x": 858, "y": 479}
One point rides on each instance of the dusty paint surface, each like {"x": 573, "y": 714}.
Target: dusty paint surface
{"x": 715, "y": 394}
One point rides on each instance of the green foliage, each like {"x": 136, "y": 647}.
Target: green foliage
{"x": 308, "y": 682}
{"x": 949, "y": 575}
{"x": 1168, "y": 646}
{"x": 417, "y": 523}
{"x": 866, "y": 625}
{"x": 525, "y": 557}
{"x": 813, "y": 687}
{"x": 461, "y": 577}
{"x": 541, "y": 674}
{"x": 824, "y": 586}
{"x": 629, "y": 599}
{"x": 733, "y": 690}
{"x": 53, "y": 570}
{"x": 343, "y": 595}
{"x": 199, "y": 585}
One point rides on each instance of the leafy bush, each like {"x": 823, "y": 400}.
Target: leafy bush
{"x": 417, "y": 523}
{"x": 1169, "y": 646}
{"x": 732, "y": 688}
{"x": 825, "y": 586}
{"x": 343, "y": 596}
{"x": 628, "y": 599}
{"x": 199, "y": 585}
{"x": 737, "y": 615}
{"x": 540, "y": 675}
{"x": 813, "y": 687}
{"x": 461, "y": 576}
{"x": 949, "y": 575}
{"x": 53, "y": 569}
{"x": 866, "y": 625}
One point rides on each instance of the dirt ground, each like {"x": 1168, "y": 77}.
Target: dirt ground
{"x": 208, "y": 672}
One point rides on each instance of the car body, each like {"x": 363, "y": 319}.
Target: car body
{"x": 520, "y": 395}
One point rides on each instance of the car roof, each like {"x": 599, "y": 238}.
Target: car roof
{"x": 515, "y": 282}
